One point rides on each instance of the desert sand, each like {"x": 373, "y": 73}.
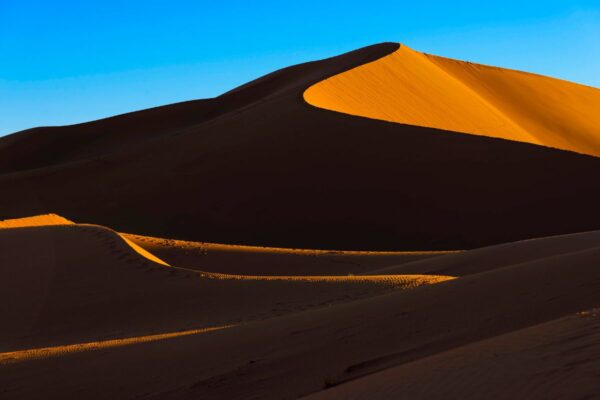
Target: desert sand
{"x": 260, "y": 166}
{"x": 382, "y": 224}
{"x": 180, "y": 333}
{"x": 85, "y": 281}
{"x": 238, "y": 259}
{"x": 414, "y": 88}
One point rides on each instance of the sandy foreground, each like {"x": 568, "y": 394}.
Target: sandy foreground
{"x": 90, "y": 315}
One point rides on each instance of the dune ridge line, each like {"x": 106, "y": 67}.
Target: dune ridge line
{"x": 414, "y": 88}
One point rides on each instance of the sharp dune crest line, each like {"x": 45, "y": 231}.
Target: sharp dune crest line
{"x": 280, "y": 250}
{"x": 143, "y": 252}
{"x": 35, "y": 220}
{"x": 406, "y": 281}
{"x": 414, "y": 88}
{"x": 273, "y": 261}
{"x": 54, "y": 219}
{"x": 92, "y": 313}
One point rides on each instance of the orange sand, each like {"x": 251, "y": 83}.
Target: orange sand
{"x": 255, "y": 260}
{"x": 36, "y": 220}
{"x": 414, "y": 88}
{"x": 91, "y": 313}
{"x": 72, "y": 284}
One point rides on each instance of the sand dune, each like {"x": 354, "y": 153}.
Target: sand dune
{"x": 238, "y": 259}
{"x": 506, "y": 366}
{"x": 83, "y": 283}
{"x": 36, "y": 220}
{"x": 280, "y": 250}
{"x": 419, "y": 89}
{"x": 260, "y": 166}
{"x": 302, "y": 353}
{"x": 493, "y": 257}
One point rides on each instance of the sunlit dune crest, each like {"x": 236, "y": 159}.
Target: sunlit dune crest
{"x": 255, "y": 260}
{"x": 86, "y": 284}
{"x": 414, "y": 88}
{"x": 54, "y": 219}
{"x": 82, "y": 303}
{"x": 263, "y": 249}
{"x": 402, "y": 281}
{"x": 142, "y": 251}
{"x": 85, "y": 302}
{"x": 55, "y": 351}
{"x": 35, "y": 220}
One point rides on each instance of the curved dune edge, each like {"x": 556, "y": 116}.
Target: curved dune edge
{"x": 334, "y": 345}
{"x": 57, "y": 351}
{"x": 92, "y": 286}
{"x": 255, "y": 260}
{"x": 414, "y": 88}
{"x": 54, "y": 219}
{"x": 139, "y": 243}
{"x": 144, "y": 253}
{"x": 275, "y": 250}
{"x": 404, "y": 281}
{"x": 35, "y": 220}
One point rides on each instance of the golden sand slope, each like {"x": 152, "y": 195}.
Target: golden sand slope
{"x": 419, "y": 89}
{"x": 35, "y": 220}
{"x": 58, "y": 351}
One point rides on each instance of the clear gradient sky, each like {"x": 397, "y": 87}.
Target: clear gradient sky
{"x": 68, "y": 61}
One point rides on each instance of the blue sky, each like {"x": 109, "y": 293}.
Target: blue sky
{"x": 65, "y": 62}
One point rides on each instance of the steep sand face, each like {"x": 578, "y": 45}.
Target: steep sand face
{"x": 413, "y": 88}
{"x": 303, "y": 177}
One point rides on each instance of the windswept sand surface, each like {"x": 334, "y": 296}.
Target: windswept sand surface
{"x": 400, "y": 247}
{"x": 414, "y": 88}
{"x": 559, "y": 359}
{"x": 68, "y": 284}
{"x": 88, "y": 307}
{"x": 236, "y": 259}
{"x": 260, "y": 166}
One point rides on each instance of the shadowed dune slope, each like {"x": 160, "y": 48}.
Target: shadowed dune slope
{"x": 503, "y": 367}
{"x": 68, "y": 284}
{"x": 414, "y": 88}
{"x": 263, "y": 167}
{"x": 459, "y": 323}
{"x": 498, "y": 256}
